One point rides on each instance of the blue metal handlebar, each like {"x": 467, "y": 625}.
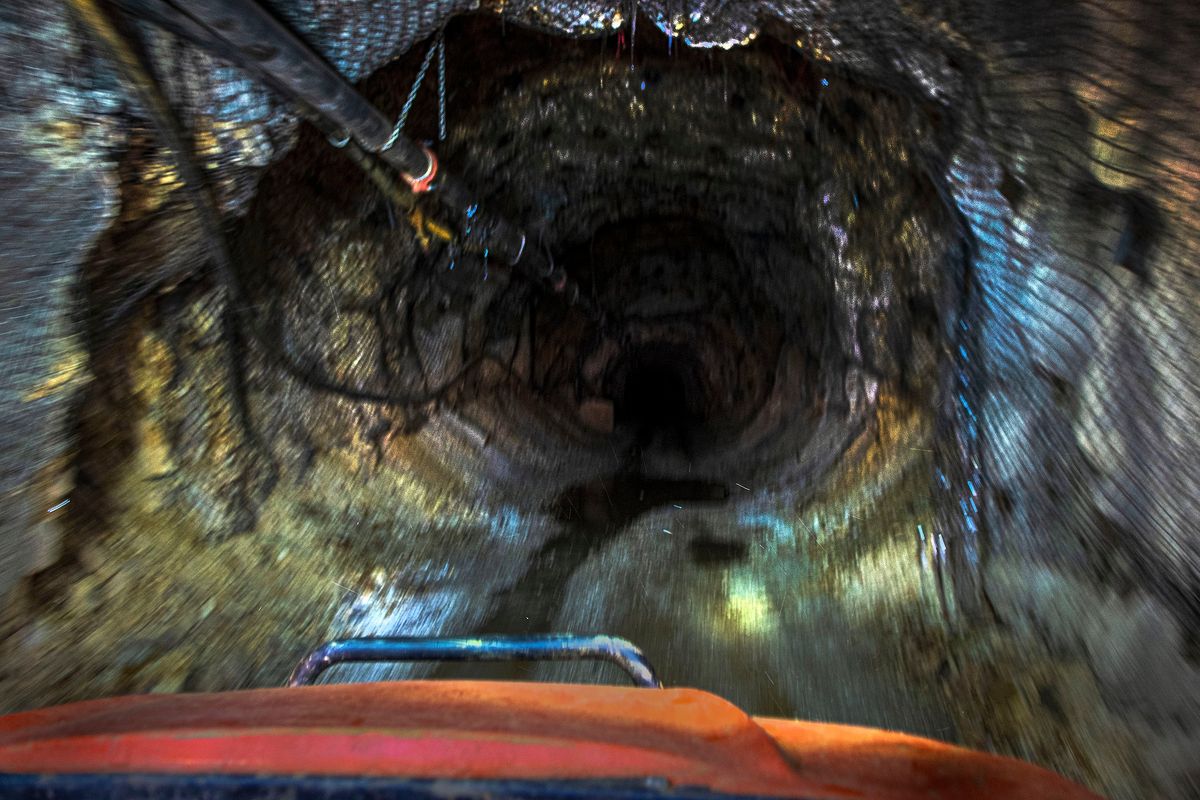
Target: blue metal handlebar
{"x": 554, "y": 647}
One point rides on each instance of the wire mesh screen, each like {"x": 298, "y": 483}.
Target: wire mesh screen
{"x": 880, "y": 405}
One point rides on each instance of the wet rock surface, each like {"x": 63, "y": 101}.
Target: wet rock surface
{"x": 879, "y": 408}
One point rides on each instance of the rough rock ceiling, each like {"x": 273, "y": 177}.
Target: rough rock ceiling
{"x": 917, "y": 281}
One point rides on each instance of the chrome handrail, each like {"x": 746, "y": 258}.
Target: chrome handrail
{"x": 552, "y": 647}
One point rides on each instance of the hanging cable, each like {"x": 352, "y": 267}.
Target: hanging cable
{"x": 632, "y": 30}
{"x": 118, "y": 40}
{"x": 441, "y": 46}
{"x": 412, "y": 93}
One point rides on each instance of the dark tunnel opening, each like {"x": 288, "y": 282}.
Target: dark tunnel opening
{"x": 658, "y": 396}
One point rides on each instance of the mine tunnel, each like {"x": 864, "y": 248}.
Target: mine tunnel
{"x": 848, "y": 363}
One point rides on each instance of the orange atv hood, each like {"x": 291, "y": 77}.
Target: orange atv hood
{"x": 488, "y": 730}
